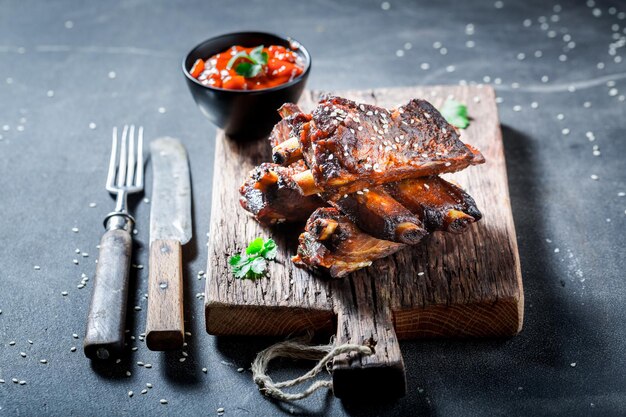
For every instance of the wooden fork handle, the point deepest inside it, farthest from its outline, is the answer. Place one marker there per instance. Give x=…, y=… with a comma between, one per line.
x=104, y=337
x=165, y=323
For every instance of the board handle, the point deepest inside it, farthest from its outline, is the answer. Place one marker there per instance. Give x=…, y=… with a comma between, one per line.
x=104, y=336
x=370, y=323
x=165, y=323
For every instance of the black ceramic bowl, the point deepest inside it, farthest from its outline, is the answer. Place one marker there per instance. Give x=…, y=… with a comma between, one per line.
x=244, y=114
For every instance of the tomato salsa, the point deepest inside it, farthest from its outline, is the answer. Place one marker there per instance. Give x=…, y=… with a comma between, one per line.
x=240, y=68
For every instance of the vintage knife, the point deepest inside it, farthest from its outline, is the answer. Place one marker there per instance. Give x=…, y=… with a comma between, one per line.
x=170, y=228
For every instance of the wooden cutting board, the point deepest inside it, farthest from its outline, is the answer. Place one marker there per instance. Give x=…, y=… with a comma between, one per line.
x=467, y=285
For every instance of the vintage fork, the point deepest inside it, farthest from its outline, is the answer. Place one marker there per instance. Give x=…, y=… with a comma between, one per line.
x=104, y=337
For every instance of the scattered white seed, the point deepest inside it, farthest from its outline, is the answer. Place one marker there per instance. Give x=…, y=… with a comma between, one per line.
x=557, y=250
x=130, y=393
x=498, y=4
x=163, y=401
x=44, y=361
x=63, y=293
x=148, y=365
x=149, y=385
x=594, y=177
x=240, y=369
x=50, y=93
x=220, y=410
x=204, y=370
x=112, y=74
x=399, y=53
x=182, y=359
x=22, y=382
x=137, y=308
x=23, y=354
x=573, y=364
x=161, y=110
x=69, y=24
x=37, y=267
x=425, y=66
x=92, y=125
x=144, y=391
x=128, y=373
x=73, y=349
x=565, y=131
x=75, y=229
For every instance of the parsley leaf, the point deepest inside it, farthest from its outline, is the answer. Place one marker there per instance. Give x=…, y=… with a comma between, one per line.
x=269, y=249
x=253, y=263
x=236, y=57
x=455, y=113
x=255, y=246
x=248, y=70
x=250, y=65
x=259, y=56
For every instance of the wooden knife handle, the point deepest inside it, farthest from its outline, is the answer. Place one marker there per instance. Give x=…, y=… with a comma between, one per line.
x=104, y=337
x=165, y=323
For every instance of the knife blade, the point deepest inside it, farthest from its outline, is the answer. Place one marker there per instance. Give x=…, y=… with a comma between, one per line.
x=170, y=228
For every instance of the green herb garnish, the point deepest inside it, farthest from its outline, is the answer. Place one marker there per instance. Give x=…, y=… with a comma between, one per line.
x=252, y=63
x=455, y=113
x=253, y=263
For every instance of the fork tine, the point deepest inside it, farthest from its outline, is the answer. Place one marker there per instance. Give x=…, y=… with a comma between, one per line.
x=121, y=172
x=139, y=181
x=130, y=172
x=112, y=161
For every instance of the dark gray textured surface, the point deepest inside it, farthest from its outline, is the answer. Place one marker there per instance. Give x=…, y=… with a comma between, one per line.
x=570, y=358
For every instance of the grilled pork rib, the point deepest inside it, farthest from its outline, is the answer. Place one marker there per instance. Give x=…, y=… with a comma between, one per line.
x=272, y=196
x=442, y=205
x=350, y=146
x=377, y=169
x=332, y=242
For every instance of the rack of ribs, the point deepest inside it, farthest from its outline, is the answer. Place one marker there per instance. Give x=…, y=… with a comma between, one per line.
x=376, y=168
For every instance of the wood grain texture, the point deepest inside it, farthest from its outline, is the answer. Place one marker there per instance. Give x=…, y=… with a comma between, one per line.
x=465, y=285
x=165, y=327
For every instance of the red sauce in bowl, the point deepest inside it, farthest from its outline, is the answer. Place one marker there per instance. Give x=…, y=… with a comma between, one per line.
x=278, y=65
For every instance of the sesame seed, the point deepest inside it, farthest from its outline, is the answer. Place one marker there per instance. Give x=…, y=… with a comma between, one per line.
x=73, y=349
x=161, y=110
x=220, y=410
x=163, y=401
x=22, y=382
x=144, y=391
x=69, y=24
x=137, y=308
x=50, y=93
x=385, y=5
x=557, y=250
x=130, y=393
x=565, y=131
x=37, y=267
x=43, y=361
x=1, y=381
x=23, y=354
x=148, y=365
x=573, y=364
x=204, y=370
x=149, y=385
x=74, y=335
x=240, y=369
x=75, y=229
x=15, y=380
x=594, y=177
x=128, y=373
x=182, y=359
